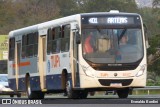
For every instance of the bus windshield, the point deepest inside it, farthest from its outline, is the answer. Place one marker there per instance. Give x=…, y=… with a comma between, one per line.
x=103, y=45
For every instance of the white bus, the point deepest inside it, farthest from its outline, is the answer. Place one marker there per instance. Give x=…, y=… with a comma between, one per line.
x=79, y=54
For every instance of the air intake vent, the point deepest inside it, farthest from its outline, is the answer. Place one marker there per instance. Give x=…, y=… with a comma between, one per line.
x=107, y=82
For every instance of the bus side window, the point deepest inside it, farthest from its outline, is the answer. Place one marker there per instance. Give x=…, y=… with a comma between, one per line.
x=24, y=41
x=65, y=38
x=30, y=45
x=36, y=43
x=56, y=32
x=11, y=48
x=49, y=41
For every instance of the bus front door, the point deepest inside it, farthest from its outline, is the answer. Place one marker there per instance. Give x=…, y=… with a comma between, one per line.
x=75, y=73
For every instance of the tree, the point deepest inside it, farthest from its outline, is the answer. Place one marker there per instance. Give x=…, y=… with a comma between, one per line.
x=156, y=3
x=67, y=7
x=36, y=11
x=150, y=18
x=106, y=5
x=22, y=13
x=153, y=68
x=156, y=10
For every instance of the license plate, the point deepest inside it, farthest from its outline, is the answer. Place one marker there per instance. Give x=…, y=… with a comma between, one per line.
x=116, y=84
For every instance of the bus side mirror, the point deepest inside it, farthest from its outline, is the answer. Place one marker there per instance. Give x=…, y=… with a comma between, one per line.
x=78, y=38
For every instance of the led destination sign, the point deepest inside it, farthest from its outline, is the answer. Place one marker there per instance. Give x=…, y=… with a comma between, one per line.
x=112, y=20
x=117, y=20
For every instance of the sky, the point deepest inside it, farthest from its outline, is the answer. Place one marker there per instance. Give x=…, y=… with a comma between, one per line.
x=144, y=3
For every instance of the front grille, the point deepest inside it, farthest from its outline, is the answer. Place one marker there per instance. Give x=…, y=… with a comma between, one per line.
x=107, y=82
x=114, y=66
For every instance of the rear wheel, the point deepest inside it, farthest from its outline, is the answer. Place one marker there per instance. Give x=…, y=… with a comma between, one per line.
x=11, y=96
x=18, y=95
x=123, y=93
x=33, y=94
x=40, y=95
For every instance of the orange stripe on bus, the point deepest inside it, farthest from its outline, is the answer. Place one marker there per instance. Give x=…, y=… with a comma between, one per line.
x=22, y=64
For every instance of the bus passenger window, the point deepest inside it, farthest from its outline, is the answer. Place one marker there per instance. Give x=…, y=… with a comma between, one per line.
x=11, y=48
x=53, y=40
x=36, y=44
x=24, y=42
x=57, y=42
x=49, y=41
x=29, y=45
x=65, y=38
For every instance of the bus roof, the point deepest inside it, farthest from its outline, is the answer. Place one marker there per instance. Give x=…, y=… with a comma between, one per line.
x=44, y=25
x=59, y=21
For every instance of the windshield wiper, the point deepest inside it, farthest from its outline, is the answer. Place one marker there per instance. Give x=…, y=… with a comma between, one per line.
x=122, y=34
x=98, y=29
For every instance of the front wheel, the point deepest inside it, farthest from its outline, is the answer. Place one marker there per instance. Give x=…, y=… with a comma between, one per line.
x=70, y=92
x=78, y=94
x=123, y=93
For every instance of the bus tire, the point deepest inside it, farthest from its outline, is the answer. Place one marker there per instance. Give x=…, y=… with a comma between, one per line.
x=70, y=92
x=30, y=93
x=18, y=95
x=11, y=95
x=39, y=94
x=123, y=93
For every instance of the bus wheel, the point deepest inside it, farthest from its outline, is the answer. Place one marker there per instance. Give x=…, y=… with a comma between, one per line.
x=123, y=93
x=70, y=92
x=40, y=95
x=33, y=94
x=11, y=96
x=92, y=93
x=30, y=94
x=18, y=95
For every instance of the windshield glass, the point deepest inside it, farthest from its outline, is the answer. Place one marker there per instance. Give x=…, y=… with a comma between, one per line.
x=101, y=45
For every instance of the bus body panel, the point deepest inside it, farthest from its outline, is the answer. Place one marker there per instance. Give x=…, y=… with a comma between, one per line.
x=48, y=74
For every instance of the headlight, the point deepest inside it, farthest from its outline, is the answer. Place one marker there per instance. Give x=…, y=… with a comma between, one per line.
x=141, y=71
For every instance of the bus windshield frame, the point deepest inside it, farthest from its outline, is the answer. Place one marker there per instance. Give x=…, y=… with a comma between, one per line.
x=111, y=36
